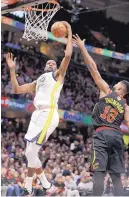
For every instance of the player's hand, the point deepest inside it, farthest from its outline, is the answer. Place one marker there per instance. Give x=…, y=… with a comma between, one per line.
x=67, y=25
x=10, y=60
x=77, y=40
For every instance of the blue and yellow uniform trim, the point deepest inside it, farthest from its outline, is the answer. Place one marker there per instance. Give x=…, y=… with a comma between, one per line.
x=50, y=115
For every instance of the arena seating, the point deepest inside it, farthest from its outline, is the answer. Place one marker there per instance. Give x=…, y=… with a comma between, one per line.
x=96, y=21
x=79, y=92
x=66, y=155
x=65, y=158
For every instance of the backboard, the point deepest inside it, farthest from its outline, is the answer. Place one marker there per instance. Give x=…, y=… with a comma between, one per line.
x=7, y=6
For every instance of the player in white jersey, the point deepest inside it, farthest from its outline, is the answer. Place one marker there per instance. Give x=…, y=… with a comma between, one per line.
x=45, y=118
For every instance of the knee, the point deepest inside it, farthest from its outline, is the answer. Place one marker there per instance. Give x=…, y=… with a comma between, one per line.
x=16, y=186
x=98, y=178
x=10, y=188
x=115, y=177
x=32, y=158
x=30, y=153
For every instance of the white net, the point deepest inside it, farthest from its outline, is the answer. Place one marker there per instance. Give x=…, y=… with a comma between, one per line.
x=37, y=20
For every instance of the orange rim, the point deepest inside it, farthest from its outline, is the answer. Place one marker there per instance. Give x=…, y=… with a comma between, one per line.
x=43, y=10
x=9, y=2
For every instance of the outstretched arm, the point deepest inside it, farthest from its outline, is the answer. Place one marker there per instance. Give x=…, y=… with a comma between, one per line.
x=60, y=73
x=102, y=85
x=126, y=116
x=26, y=88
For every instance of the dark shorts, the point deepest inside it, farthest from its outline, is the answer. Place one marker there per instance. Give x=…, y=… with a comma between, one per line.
x=108, y=151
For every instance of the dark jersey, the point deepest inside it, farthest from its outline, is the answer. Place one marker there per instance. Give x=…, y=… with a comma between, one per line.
x=109, y=111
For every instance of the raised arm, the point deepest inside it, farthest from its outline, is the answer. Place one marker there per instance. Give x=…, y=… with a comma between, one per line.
x=102, y=85
x=60, y=73
x=26, y=88
x=126, y=116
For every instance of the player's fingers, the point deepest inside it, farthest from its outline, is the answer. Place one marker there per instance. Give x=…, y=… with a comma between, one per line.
x=64, y=22
x=77, y=36
x=11, y=56
x=15, y=59
x=7, y=56
x=84, y=40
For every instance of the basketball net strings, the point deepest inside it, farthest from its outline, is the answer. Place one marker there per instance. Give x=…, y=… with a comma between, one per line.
x=36, y=22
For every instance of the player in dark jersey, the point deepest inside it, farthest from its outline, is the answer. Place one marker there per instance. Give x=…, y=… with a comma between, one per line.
x=108, y=114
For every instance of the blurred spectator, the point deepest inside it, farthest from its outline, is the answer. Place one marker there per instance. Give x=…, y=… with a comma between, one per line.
x=4, y=182
x=66, y=156
x=70, y=185
x=86, y=185
x=79, y=91
x=67, y=169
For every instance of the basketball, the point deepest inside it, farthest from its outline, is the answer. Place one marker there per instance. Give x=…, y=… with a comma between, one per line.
x=59, y=30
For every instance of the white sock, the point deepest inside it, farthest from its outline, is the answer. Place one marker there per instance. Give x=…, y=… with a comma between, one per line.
x=28, y=183
x=45, y=183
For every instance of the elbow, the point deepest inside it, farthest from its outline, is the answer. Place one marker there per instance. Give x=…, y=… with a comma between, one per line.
x=16, y=90
x=67, y=56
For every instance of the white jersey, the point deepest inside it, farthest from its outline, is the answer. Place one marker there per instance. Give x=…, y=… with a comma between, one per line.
x=47, y=91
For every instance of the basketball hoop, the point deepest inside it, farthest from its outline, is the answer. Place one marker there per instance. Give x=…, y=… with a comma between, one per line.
x=37, y=20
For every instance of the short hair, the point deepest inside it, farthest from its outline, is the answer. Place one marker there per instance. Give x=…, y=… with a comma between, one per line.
x=66, y=173
x=126, y=83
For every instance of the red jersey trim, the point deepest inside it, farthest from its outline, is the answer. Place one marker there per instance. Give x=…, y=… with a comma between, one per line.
x=105, y=128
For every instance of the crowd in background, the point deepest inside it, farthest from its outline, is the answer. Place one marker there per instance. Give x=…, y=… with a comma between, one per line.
x=65, y=158
x=67, y=154
x=82, y=24
x=79, y=91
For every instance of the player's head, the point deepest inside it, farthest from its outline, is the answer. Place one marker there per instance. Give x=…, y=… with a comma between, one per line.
x=122, y=88
x=51, y=66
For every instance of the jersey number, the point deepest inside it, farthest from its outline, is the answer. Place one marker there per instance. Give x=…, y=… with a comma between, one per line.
x=109, y=114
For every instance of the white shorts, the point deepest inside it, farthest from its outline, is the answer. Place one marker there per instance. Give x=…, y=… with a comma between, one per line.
x=42, y=125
